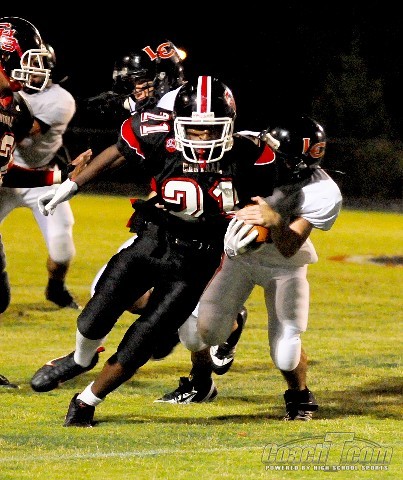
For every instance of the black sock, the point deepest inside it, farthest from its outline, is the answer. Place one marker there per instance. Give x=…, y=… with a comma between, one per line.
x=233, y=339
x=201, y=375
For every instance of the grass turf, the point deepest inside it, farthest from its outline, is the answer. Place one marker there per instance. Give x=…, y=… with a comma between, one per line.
x=353, y=341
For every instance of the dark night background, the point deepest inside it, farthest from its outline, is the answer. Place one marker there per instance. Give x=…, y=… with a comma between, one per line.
x=275, y=57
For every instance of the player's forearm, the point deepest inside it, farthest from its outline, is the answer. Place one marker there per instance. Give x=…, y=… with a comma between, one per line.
x=289, y=238
x=108, y=159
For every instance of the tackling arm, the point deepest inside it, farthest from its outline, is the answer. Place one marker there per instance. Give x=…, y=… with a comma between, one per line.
x=288, y=238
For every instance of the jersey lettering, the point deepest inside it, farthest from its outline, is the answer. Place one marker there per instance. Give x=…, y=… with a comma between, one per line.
x=224, y=193
x=163, y=127
x=6, y=148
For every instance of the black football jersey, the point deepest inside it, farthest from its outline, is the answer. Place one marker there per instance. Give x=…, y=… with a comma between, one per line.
x=203, y=195
x=16, y=120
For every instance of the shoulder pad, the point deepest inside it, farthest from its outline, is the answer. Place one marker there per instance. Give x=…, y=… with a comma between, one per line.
x=248, y=134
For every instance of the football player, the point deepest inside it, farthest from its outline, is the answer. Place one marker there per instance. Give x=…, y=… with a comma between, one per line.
x=305, y=197
x=137, y=81
x=22, y=62
x=53, y=108
x=200, y=171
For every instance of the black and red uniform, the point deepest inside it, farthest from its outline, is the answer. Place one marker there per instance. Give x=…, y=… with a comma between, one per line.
x=178, y=247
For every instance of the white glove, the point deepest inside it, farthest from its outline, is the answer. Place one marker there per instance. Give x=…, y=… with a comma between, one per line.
x=236, y=238
x=48, y=202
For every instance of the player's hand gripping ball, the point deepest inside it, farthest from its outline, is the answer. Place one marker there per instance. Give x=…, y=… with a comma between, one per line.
x=263, y=233
x=241, y=237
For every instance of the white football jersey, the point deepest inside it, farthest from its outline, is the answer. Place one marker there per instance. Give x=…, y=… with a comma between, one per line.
x=318, y=200
x=54, y=106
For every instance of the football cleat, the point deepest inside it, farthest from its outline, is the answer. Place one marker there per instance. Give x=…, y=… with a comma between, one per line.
x=5, y=383
x=299, y=405
x=59, y=370
x=79, y=414
x=61, y=297
x=222, y=356
x=187, y=393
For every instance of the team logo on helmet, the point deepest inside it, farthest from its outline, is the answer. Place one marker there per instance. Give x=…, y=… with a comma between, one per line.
x=7, y=40
x=229, y=98
x=164, y=50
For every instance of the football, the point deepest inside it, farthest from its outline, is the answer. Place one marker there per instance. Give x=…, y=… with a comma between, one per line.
x=263, y=233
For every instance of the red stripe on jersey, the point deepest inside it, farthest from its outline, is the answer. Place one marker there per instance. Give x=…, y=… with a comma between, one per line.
x=129, y=137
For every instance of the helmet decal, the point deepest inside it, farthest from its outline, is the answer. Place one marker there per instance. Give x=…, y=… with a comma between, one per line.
x=7, y=40
x=203, y=94
x=164, y=50
x=318, y=150
x=229, y=98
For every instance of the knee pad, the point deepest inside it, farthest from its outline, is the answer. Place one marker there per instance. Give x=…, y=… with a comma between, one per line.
x=61, y=248
x=189, y=336
x=285, y=350
x=217, y=333
x=5, y=293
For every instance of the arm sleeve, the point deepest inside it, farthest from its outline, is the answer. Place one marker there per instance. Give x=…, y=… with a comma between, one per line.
x=25, y=178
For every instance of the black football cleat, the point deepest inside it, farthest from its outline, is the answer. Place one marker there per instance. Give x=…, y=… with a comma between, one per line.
x=5, y=383
x=59, y=370
x=187, y=392
x=60, y=296
x=79, y=414
x=299, y=405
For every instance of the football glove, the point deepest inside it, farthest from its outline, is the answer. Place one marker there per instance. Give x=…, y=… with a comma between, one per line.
x=237, y=238
x=48, y=202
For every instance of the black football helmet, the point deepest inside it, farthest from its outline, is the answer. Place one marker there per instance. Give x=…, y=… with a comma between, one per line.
x=207, y=105
x=22, y=53
x=299, y=144
x=163, y=67
x=50, y=60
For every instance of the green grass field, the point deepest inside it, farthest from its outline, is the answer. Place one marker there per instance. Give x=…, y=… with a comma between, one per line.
x=354, y=343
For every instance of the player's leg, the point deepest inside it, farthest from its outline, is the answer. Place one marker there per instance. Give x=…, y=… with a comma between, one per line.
x=114, y=293
x=287, y=301
x=9, y=200
x=168, y=303
x=57, y=230
x=5, y=294
x=199, y=386
x=4, y=303
x=223, y=355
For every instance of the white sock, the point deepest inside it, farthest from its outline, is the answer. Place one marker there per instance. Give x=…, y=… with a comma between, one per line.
x=85, y=349
x=88, y=397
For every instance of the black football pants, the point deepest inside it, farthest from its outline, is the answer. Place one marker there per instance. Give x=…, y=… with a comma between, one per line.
x=179, y=275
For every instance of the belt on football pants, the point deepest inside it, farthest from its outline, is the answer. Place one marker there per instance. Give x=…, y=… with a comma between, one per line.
x=195, y=245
